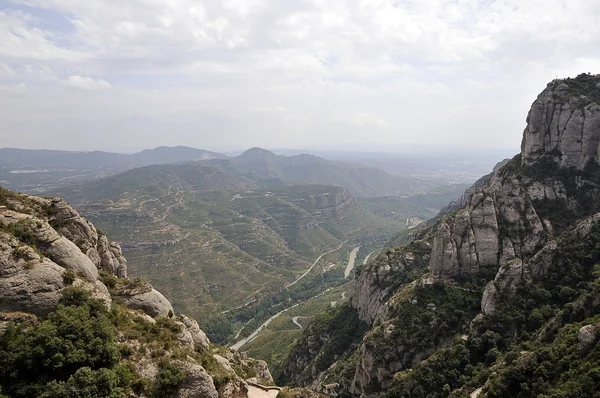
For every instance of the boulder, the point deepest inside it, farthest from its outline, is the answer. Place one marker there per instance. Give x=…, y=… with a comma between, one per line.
x=151, y=302
x=198, y=336
x=588, y=336
x=198, y=383
x=28, y=282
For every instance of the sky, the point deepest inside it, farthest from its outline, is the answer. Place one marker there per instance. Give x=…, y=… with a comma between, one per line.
x=228, y=74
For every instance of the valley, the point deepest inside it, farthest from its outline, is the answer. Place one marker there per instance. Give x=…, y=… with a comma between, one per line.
x=299, y=199
x=233, y=241
x=245, y=243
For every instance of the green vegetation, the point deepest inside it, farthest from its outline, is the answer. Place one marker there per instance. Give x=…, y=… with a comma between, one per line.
x=169, y=379
x=275, y=342
x=22, y=230
x=207, y=240
x=74, y=352
x=332, y=333
x=583, y=85
x=529, y=346
x=254, y=315
x=78, y=337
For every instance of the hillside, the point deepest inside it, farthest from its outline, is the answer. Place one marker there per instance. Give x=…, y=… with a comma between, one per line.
x=214, y=242
x=499, y=297
x=41, y=170
x=271, y=170
x=72, y=324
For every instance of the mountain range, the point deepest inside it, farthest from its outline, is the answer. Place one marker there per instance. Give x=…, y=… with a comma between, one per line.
x=39, y=170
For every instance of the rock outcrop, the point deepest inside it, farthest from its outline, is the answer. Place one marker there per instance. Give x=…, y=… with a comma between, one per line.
x=46, y=248
x=376, y=281
x=564, y=121
x=507, y=224
x=152, y=302
x=198, y=382
x=198, y=336
x=28, y=282
x=588, y=336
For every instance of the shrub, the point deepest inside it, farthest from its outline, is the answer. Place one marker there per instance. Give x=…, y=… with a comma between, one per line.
x=77, y=335
x=169, y=379
x=69, y=277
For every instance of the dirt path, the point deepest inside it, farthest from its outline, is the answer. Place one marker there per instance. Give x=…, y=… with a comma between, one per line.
x=256, y=391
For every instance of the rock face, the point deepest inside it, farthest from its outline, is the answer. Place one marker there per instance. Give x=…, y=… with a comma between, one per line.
x=563, y=122
x=198, y=336
x=376, y=281
x=504, y=223
x=28, y=282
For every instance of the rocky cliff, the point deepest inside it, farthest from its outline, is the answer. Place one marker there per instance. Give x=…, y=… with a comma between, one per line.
x=102, y=333
x=473, y=303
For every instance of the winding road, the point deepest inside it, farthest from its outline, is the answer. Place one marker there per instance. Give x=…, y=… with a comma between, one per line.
x=313, y=265
x=239, y=344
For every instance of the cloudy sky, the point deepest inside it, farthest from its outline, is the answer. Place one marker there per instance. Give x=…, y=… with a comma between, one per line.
x=224, y=74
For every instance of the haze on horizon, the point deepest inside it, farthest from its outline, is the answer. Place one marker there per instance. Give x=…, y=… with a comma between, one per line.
x=229, y=74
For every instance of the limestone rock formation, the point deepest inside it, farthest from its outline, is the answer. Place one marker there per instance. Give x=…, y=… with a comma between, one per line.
x=376, y=281
x=46, y=247
x=152, y=302
x=564, y=123
x=28, y=282
x=198, y=336
x=198, y=382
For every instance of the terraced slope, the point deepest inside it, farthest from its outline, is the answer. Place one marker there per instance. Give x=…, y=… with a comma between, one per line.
x=212, y=241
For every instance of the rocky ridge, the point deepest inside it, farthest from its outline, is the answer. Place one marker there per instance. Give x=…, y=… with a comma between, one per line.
x=513, y=233
x=49, y=252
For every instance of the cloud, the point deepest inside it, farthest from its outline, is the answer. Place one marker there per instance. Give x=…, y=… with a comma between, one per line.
x=86, y=83
x=275, y=73
x=363, y=119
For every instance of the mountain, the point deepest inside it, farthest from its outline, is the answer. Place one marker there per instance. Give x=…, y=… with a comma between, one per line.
x=219, y=245
x=40, y=170
x=499, y=297
x=72, y=324
x=159, y=179
x=271, y=170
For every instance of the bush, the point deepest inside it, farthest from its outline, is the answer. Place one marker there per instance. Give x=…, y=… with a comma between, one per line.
x=169, y=379
x=54, y=350
x=69, y=277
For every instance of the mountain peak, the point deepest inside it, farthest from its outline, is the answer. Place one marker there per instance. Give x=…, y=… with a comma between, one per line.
x=257, y=153
x=564, y=122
